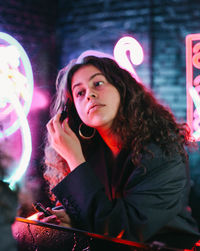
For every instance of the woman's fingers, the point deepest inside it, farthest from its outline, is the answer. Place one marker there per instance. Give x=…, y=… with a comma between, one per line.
x=62, y=216
x=56, y=122
x=67, y=128
x=54, y=126
x=65, y=142
x=58, y=217
x=40, y=216
x=50, y=127
x=50, y=219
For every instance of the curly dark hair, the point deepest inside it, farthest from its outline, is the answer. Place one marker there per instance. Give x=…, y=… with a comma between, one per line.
x=140, y=120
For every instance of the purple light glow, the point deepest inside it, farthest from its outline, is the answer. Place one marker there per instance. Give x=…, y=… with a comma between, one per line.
x=40, y=99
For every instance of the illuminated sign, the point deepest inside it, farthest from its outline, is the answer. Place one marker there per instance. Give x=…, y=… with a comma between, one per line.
x=193, y=83
x=129, y=52
x=16, y=91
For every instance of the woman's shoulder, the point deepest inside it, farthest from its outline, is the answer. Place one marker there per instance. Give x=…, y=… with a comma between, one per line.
x=158, y=169
x=155, y=156
x=161, y=150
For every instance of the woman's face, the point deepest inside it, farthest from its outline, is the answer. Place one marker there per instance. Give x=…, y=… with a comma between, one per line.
x=96, y=100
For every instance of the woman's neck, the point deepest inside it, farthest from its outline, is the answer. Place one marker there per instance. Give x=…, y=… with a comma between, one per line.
x=111, y=140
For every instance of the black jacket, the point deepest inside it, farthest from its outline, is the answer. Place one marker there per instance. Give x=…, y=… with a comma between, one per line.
x=146, y=203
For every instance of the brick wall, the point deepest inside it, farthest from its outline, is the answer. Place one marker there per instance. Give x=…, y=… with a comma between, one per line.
x=160, y=27
x=98, y=25
x=172, y=21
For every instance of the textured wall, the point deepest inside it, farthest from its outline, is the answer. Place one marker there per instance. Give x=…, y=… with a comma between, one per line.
x=98, y=25
x=160, y=27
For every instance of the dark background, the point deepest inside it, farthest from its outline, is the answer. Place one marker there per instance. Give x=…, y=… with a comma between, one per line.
x=53, y=32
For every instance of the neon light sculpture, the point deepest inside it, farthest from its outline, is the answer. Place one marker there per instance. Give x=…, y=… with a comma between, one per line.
x=15, y=63
x=129, y=52
x=16, y=90
x=193, y=83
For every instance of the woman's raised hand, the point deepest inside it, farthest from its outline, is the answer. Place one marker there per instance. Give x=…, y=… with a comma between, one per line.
x=65, y=142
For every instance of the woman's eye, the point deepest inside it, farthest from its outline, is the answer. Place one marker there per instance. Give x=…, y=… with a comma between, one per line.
x=98, y=83
x=79, y=93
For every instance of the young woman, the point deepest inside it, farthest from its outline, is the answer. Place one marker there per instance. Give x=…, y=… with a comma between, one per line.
x=123, y=156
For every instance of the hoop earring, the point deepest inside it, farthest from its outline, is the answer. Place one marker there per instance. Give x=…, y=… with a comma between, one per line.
x=83, y=136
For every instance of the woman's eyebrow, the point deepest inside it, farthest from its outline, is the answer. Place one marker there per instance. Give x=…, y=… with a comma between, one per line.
x=75, y=85
x=96, y=74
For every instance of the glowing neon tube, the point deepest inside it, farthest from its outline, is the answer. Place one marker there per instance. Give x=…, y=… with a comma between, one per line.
x=11, y=42
x=8, y=94
x=27, y=145
x=196, y=99
x=129, y=45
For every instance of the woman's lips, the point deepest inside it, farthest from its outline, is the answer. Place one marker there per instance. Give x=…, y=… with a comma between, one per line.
x=94, y=107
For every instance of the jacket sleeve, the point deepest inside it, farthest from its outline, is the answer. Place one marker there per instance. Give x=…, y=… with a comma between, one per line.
x=152, y=197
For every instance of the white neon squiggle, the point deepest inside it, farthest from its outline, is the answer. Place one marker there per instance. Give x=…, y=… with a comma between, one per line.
x=26, y=135
x=196, y=99
x=131, y=45
x=196, y=134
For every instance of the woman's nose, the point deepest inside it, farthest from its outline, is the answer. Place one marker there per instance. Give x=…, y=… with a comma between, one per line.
x=91, y=95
